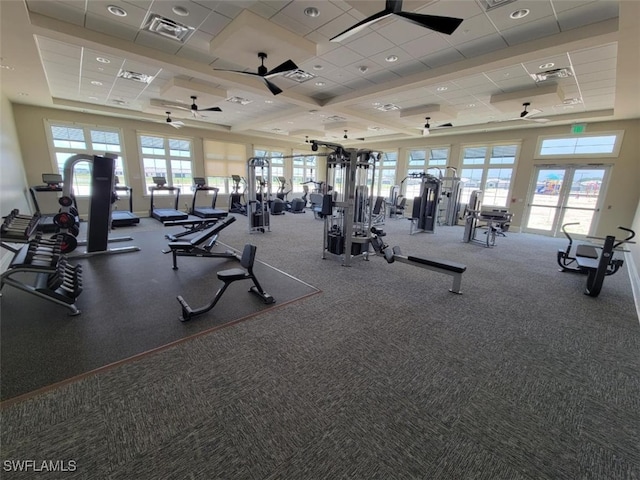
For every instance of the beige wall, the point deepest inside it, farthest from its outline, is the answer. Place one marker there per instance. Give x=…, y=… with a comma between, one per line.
x=620, y=202
x=13, y=186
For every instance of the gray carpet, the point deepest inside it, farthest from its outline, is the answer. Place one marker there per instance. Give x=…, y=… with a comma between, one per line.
x=385, y=375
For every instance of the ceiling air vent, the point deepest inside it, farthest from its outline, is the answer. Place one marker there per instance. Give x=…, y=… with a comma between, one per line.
x=387, y=107
x=550, y=74
x=491, y=4
x=299, y=76
x=168, y=28
x=239, y=100
x=336, y=118
x=135, y=76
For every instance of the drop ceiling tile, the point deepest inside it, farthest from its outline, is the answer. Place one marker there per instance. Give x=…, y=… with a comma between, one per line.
x=409, y=69
x=291, y=24
x=105, y=25
x=425, y=45
x=508, y=73
x=214, y=23
x=538, y=10
x=338, y=25
x=399, y=31
x=509, y=85
x=369, y=44
x=267, y=9
x=594, y=67
x=587, y=14
x=59, y=48
x=471, y=29
x=134, y=18
x=343, y=56
x=480, y=46
x=478, y=80
x=451, y=8
x=196, y=13
x=295, y=11
x=229, y=9
x=380, y=77
x=558, y=61
x=602, y=76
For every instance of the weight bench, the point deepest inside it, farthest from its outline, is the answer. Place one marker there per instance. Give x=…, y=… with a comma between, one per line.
x=228, y=277
x=453, y=269
x=200, y=245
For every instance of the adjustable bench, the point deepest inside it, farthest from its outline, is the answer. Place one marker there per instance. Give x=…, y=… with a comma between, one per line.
x=200, y=245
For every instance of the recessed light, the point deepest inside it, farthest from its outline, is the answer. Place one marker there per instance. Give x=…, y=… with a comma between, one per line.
x=23, y=94
x=471, y=105
x=391, y=58
x=442, y=89
x=102, y=60
x=320, y=84
x=96, y=83
x=544, y=66
x=518, y=14
x=93, y=98
x=318, y=67
x=268, y=101
x=7, y=67
x=117, y=11
x=312, y=12
x=179, y=10
x=363, y=69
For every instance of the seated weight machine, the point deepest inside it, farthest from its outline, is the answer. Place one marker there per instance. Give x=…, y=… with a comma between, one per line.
x=258, y=193
x=496, y=222
x=597, y=262
x=424, y=213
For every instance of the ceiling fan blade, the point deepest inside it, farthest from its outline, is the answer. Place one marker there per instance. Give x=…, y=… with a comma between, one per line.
x=446, y=25
x=538, y=120
x=287, y=66
x=272, y=87
x=210, y=109
x=445, y=125
x=240, y=72
x=358, y=27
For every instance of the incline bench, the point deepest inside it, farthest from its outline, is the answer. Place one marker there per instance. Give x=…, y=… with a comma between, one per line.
x=441, y=266
x=201, y=244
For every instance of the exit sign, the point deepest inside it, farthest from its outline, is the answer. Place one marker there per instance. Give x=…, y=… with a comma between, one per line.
x=578, y=128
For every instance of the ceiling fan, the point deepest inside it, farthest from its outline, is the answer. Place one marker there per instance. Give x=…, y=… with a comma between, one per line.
x=265, y=74
x=194, y=109
x=427, y=126
x=170, y=121
x=446, y=25
x=527, y=115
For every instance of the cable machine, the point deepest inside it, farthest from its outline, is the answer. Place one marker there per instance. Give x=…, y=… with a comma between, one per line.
x=424, y=213
x=259, y=191
x=449, y=210
x=347, y=226
x=99, y=223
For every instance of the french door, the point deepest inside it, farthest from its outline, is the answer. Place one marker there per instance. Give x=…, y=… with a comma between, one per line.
x=565, y=194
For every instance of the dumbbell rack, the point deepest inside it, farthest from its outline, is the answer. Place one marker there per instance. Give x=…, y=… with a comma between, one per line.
x=38, y=267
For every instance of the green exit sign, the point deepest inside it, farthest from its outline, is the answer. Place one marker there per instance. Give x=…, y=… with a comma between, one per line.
x=578, y=128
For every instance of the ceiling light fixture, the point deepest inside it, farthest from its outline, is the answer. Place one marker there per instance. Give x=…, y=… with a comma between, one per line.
x=96, y=83
x=518, y=14
x=345, y=135
x=442, y=89
x=117, y=11
x=318, y=67
x=168, y=28
x=7, y=67
x=425, y=130
x=312, y=12
x=135, y=76
x=544, y=66
x=180, y=10
x=102, y=60
x=363, y=69
x=320, y=84
x=391, y=58
x=299, y=76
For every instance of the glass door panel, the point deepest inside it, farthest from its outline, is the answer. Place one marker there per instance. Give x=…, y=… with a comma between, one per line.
x=545, y=199
x=565, y=195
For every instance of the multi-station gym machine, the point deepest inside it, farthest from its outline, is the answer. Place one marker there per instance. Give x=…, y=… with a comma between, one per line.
x=347, y=225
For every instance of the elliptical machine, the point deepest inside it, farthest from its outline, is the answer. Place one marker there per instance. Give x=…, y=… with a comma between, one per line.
x=236, y=203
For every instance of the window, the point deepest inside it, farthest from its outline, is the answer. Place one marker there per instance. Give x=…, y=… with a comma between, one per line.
x=69, y=140
x=221, y=160
x=419, y=162
x=276, y=163
x=489, y=169
x=583, y=145
x=305, y=169
x=170, y=158
x=386, y=174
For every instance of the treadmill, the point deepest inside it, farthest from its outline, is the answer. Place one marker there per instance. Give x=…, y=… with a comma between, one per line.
x=204, y=211
x=52, y=184
x=165, y=214
x=124, y=218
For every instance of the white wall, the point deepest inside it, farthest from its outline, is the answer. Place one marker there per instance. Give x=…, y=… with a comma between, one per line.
x=13, y=181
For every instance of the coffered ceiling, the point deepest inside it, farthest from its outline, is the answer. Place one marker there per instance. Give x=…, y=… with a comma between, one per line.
x=380, y=84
